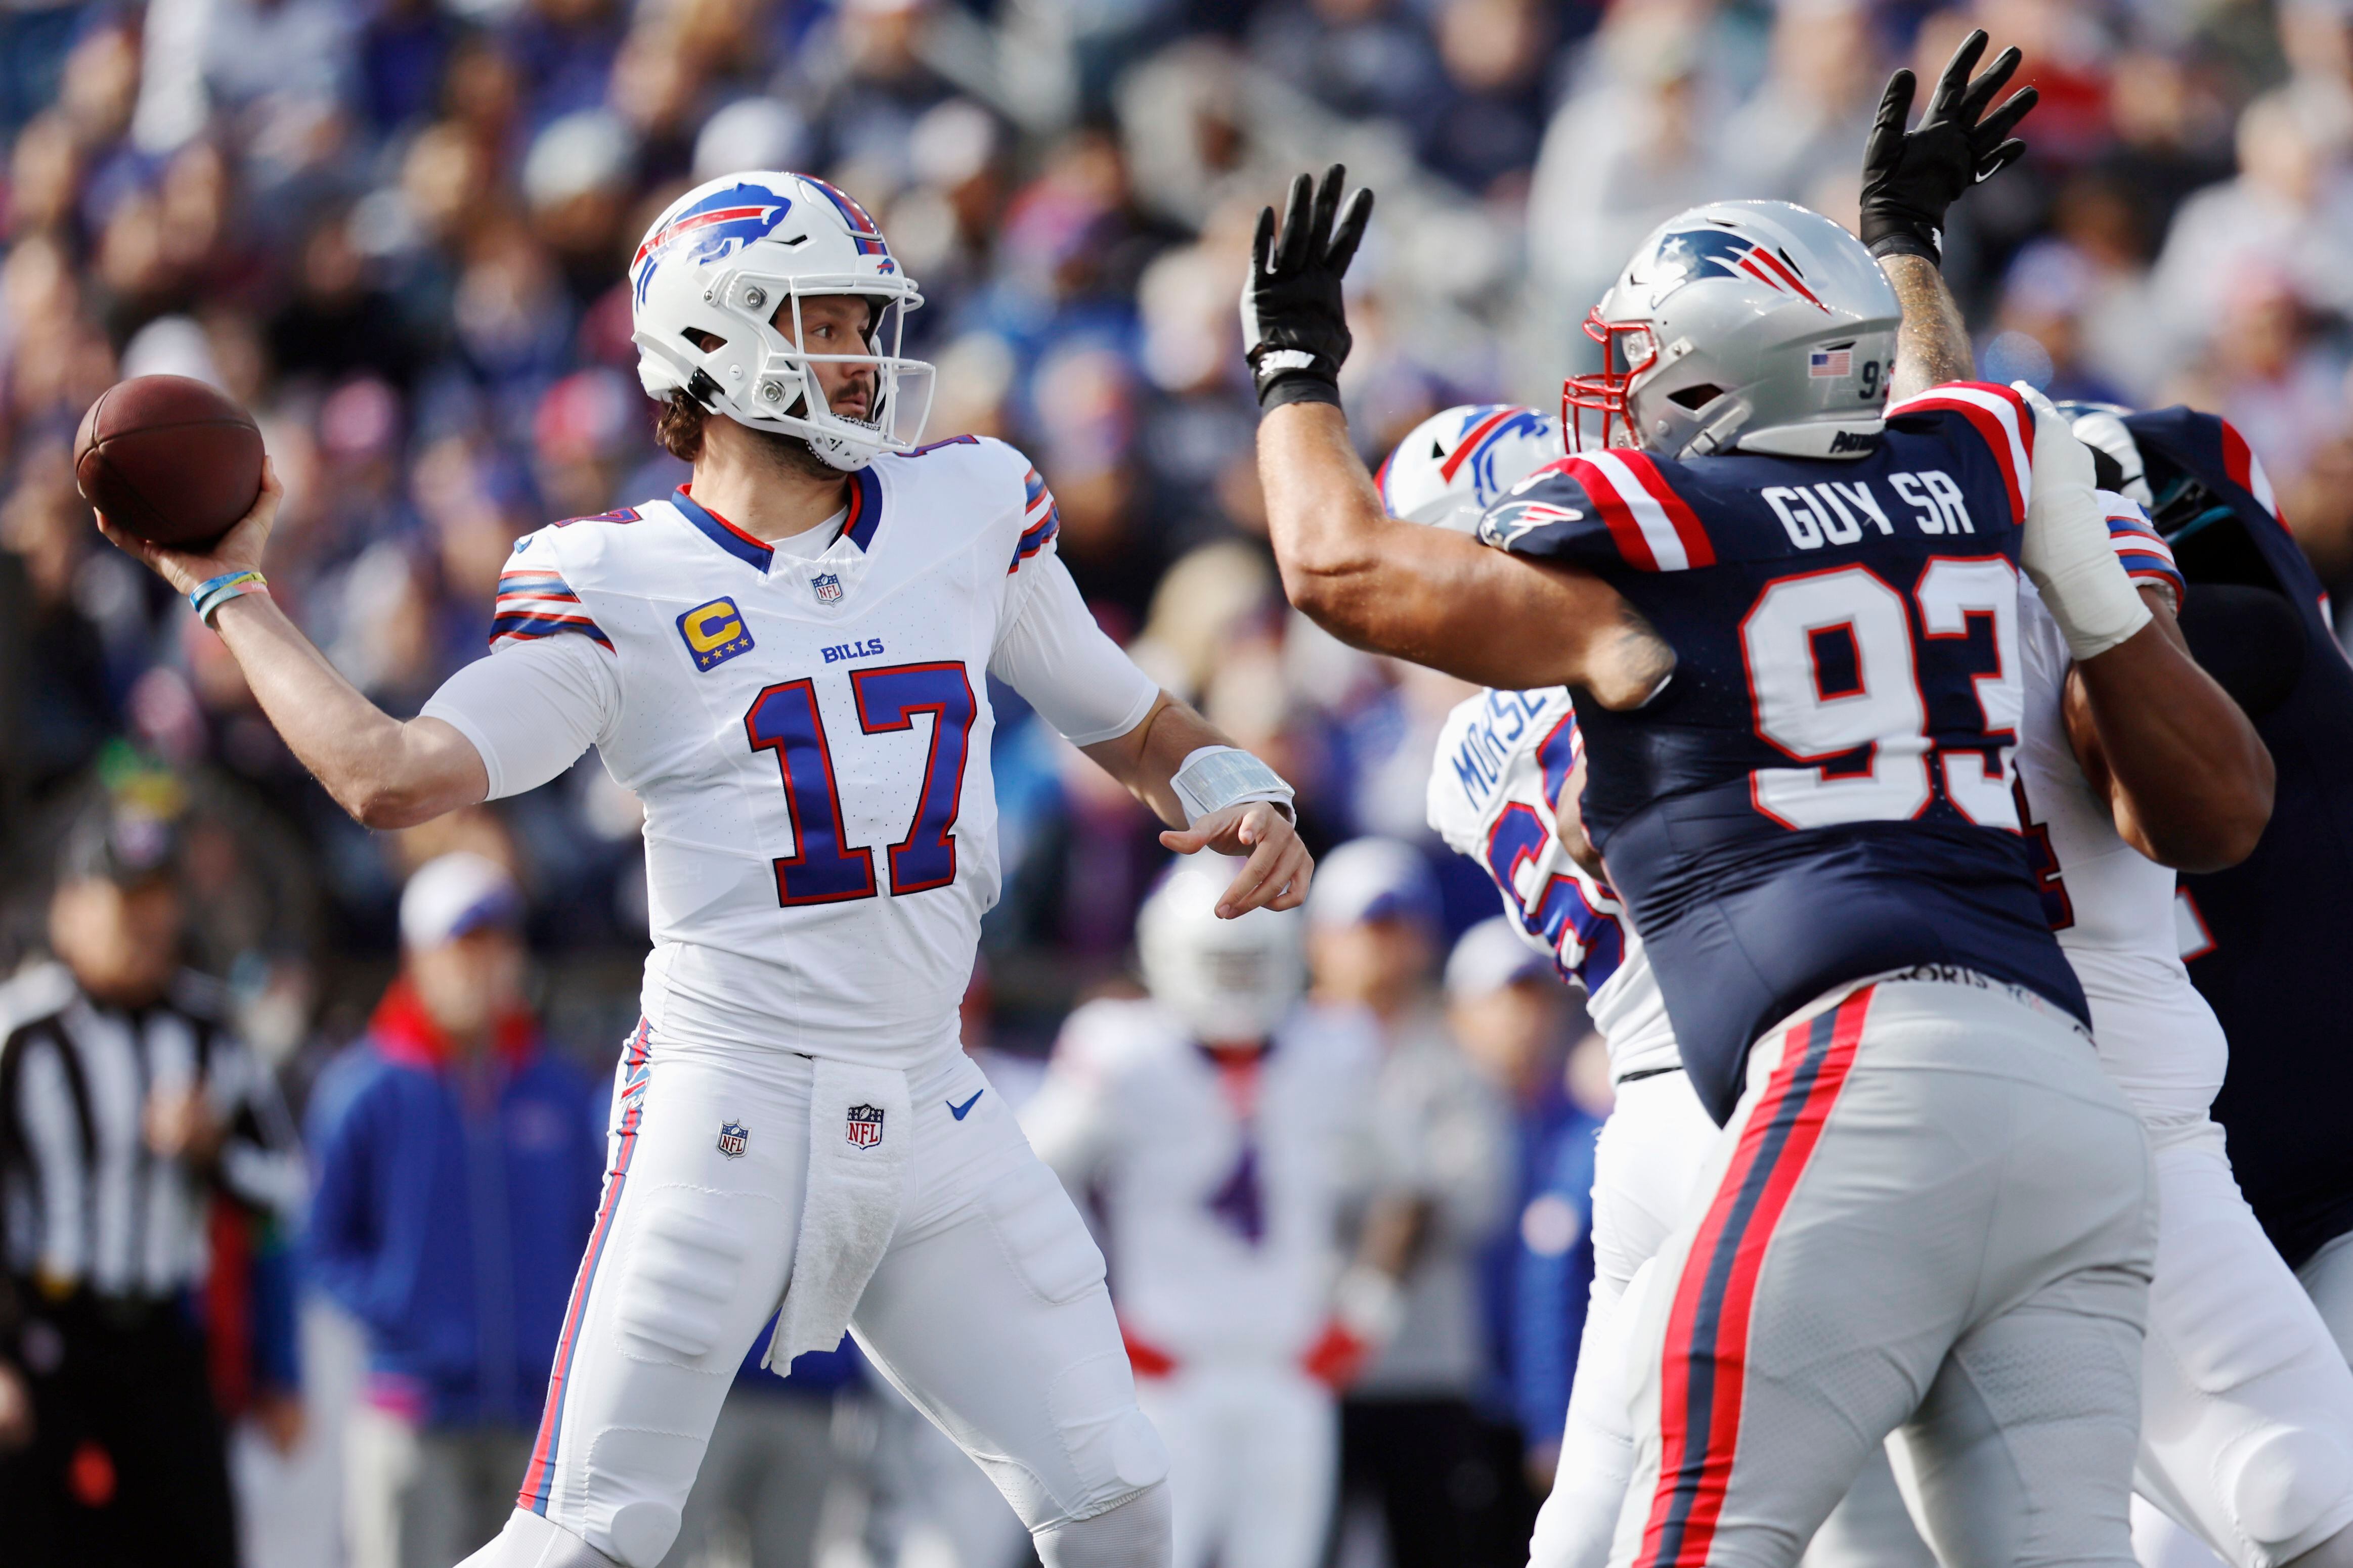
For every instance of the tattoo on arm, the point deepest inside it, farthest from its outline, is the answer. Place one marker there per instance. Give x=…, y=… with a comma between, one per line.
x=1932, y=345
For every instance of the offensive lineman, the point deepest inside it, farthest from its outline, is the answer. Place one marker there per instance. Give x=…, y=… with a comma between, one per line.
x=785, y=661
x=1928, y=1190
x=1227, y=1127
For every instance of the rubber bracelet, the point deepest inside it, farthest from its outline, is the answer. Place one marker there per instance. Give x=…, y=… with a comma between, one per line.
x=207, y=597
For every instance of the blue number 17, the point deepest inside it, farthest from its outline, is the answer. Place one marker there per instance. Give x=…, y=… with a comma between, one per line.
x=823, y=869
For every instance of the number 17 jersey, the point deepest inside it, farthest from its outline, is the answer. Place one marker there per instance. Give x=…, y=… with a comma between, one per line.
x=809, y=734
x=1821, y=792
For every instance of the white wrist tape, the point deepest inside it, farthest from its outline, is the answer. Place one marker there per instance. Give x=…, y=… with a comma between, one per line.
x=1367, y=1303
x=2066, y=548
x=1215, y=777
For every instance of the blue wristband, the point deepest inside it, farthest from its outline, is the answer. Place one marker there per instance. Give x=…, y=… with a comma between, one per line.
x=208, y=596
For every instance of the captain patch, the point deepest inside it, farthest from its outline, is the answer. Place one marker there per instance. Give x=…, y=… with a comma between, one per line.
x=714, y=633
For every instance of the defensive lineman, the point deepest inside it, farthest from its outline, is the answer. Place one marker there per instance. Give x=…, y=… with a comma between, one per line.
x=785, y=661
x=1225, y=1126
x=1926, y=1187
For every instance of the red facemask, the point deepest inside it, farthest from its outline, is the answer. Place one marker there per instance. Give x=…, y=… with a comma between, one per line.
x=1628, y=349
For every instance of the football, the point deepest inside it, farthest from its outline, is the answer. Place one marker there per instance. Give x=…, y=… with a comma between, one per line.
x=169, y=458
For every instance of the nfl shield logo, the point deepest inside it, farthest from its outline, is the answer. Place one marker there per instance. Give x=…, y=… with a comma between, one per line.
x=733, y=1136
x=865, y=1125
x=828, y=588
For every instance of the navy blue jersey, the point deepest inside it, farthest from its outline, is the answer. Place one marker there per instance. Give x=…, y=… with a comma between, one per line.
x=2272, y=933
x=1822, y=791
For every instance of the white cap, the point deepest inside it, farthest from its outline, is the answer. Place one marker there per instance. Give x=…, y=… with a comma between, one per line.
x=453, y=895
x=1489, y=956
x=1371, y=880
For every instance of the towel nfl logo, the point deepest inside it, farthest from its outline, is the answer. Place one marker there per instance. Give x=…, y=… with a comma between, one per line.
x=828, y=588
x=1827, y=365
x=865, y=1126
x=733, y=1137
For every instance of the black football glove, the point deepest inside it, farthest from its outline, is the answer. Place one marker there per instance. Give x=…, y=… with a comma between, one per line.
x=1909, y=179
x=1294, y=327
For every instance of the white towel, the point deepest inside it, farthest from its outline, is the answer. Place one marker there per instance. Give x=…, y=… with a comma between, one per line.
x=861, y=1124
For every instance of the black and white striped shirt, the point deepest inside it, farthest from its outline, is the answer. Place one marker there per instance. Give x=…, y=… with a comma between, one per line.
x=83, y=1200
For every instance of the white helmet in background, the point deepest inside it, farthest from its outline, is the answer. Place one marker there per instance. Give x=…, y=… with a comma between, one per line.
x=1452, y=466
x=1224, y=980
x=1749, y=326
x=736, y=255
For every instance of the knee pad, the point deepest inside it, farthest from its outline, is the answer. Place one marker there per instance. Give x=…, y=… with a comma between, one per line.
x=2288, y=1490
x=1133, y=1533
x=530, y=1540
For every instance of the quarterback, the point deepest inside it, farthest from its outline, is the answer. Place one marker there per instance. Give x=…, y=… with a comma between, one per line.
x=785, y=661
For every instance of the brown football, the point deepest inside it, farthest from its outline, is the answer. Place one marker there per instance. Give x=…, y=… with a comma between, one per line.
x=168, y=458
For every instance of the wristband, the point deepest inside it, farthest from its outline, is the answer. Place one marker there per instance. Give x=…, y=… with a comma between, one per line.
x=206, y=597
x=1215, y=777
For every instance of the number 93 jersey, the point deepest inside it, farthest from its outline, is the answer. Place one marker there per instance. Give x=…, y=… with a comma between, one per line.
x=809, y=733
x=1821, y=790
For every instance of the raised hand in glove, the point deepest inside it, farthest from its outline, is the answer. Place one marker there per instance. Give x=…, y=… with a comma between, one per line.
x=1909, y=178
x=1294, y=327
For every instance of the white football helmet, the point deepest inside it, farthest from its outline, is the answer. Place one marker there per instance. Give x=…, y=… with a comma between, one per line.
x=1452, y=466
x=1225, y=980
x=734, y=256
x=1754, y=326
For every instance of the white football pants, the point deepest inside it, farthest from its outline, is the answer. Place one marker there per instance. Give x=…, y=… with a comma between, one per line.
x=2247, y=1402
x=1253, y=1451
x=988, y=1311
x=1931, y=1211
x=1647, y=1167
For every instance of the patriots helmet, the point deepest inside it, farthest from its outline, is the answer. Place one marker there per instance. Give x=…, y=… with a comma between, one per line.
x=715, y=293
x=1747, y=326
x=1224, y=980
x=1454, y=465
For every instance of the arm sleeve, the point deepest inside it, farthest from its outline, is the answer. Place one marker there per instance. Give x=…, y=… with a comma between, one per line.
x=1053, y=653
x=532, y=708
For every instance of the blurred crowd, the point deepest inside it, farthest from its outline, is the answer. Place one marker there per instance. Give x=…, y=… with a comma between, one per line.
x=396, y=230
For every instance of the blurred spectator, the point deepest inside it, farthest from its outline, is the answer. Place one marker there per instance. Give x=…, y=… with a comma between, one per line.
x=1509, y=1009
x=1411, y=1445
x=130, y=1306
x=457, y=1170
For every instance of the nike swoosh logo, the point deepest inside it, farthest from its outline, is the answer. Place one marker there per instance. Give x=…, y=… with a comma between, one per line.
x=957, y=1110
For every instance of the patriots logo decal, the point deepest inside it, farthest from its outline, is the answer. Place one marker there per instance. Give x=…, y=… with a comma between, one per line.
x=719, y=225
x=1696, y=255
x=1512, y=518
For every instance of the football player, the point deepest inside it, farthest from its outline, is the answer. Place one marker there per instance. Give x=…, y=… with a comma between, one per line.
x=1504, y=790
x=1225, y=1126
x=1795, y=609
x=785, y=661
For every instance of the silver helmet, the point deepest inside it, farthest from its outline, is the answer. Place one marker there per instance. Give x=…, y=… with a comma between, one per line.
x=1224, y=980
x=1749, y=326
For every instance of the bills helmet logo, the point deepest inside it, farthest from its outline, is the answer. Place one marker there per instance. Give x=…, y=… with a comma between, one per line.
x=720, y=225
x=1696, y=255
x=828, y=587
x=732, y=1138
x=864, y=1127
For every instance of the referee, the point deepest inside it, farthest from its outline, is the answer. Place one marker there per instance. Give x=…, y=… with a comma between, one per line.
x=127, y=1112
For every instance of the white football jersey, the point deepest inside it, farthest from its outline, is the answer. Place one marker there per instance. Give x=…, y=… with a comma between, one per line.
x=1223, y=1186
x=809, y=734
x=2111, y=906
x=1501, y=759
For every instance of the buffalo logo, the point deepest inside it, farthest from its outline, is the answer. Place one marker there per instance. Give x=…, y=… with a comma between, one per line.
x=864, y=1128
x=720, y=225
x=827, y=586
x=714, y=633
x=732, y=1138
x=1695, y=255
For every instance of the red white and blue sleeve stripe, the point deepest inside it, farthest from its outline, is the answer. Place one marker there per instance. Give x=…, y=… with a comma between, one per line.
x=1039, y=522
x=2003, y=417
x=2145, y=555
x=535, y=602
